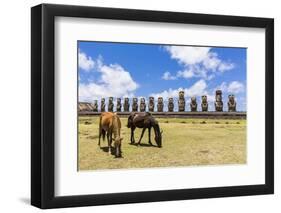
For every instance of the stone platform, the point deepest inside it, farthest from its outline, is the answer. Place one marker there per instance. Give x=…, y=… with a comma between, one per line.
x=204, y=115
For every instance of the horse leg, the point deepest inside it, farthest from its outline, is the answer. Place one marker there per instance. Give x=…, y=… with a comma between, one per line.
x=132, y=135
x=109, y=142
x=143, y=130
x=149, y=134
x=99, y=137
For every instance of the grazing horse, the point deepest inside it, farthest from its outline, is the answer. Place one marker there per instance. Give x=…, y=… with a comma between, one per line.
x=145, y=121
x=110, y=123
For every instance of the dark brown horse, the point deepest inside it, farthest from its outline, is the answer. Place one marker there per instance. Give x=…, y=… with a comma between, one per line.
x=110, y=123
x=145, y=121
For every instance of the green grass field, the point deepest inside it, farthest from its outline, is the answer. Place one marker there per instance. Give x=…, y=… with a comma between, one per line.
x=186, y=142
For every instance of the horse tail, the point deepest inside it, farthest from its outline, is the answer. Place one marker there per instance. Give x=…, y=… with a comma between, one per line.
x=101, y=130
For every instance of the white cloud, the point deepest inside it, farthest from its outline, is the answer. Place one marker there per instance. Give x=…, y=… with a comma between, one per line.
x=85, y=62
x=197, y=89
x=170, y=93
x=188, y=55
x=199, y=62
x=223, y=87
x=168, y=76
x=225, y=66
x=114, y=81
x=235, y=87
x=185, y=74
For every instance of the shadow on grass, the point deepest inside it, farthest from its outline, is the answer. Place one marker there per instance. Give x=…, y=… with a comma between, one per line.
x=105, y=149
x=143, y=144
x=92, y=137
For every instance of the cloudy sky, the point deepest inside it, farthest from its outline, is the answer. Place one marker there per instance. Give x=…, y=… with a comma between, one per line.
x=143, y=70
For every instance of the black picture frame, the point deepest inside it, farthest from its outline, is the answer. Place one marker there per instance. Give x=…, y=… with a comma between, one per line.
x=43, y=105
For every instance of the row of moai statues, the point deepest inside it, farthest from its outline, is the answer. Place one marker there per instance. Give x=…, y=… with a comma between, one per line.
x=160, y=104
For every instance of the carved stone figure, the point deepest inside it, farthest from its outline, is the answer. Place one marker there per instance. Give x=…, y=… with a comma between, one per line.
x=204, y=103
x=160, y=105
x=181, y=101
x=119, y=105
x=95, y=106
x=142, y=105
x=151, y=104
x=193, y=104
x=171, y=105
x=102, y=105
x=135, y=105
x=126, y=105
x=231, y=103
x=110, y=104
x=219, y=103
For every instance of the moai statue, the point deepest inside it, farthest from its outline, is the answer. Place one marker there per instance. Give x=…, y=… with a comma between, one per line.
x=160, y=105
x=118, y=107
x=95, y=106
x=110, y=104
x=142, y=105
x=171, y=105
x=102, y=105
x=181, y=101
x=231, y=103
x=151, y=104
x=204, y=103
x=126, y=105
x=193, y=104
x=219, y=103
x=135, y=105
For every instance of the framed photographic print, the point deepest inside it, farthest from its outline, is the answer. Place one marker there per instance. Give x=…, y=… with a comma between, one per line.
x=140, y=106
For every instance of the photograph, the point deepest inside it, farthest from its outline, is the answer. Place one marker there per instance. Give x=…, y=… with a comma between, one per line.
x=145, y=105
x=139, y=105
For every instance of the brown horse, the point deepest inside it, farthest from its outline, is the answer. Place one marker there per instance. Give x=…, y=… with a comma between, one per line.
x=110, y=123
x=145, y=121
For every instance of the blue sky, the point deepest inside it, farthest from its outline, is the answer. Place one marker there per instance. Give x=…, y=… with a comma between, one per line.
x=143, y=70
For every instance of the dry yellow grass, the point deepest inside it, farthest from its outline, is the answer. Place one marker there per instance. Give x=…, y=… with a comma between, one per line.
x=186, y=142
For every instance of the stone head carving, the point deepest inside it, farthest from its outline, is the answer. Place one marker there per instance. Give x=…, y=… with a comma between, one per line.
x=151, y=104
x=231, y=103
x=142, y=105
x=102, y=105
x=135, y=105
x=118, y=107
x=110, y=104
x=193, y=104
x=218, y=95
x=204, y=103
x=181, y=101
x=181, y=95
x=160, y=104
x=126, y=105
x=171, y=105
x=219, y=103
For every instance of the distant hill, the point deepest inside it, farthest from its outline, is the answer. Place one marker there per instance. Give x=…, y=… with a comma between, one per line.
x=85, y=106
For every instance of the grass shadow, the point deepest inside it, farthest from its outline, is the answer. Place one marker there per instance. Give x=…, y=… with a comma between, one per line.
x=143, y=144
x=113, y=150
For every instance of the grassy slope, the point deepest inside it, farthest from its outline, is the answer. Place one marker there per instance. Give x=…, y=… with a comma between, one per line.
x=185, y=142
